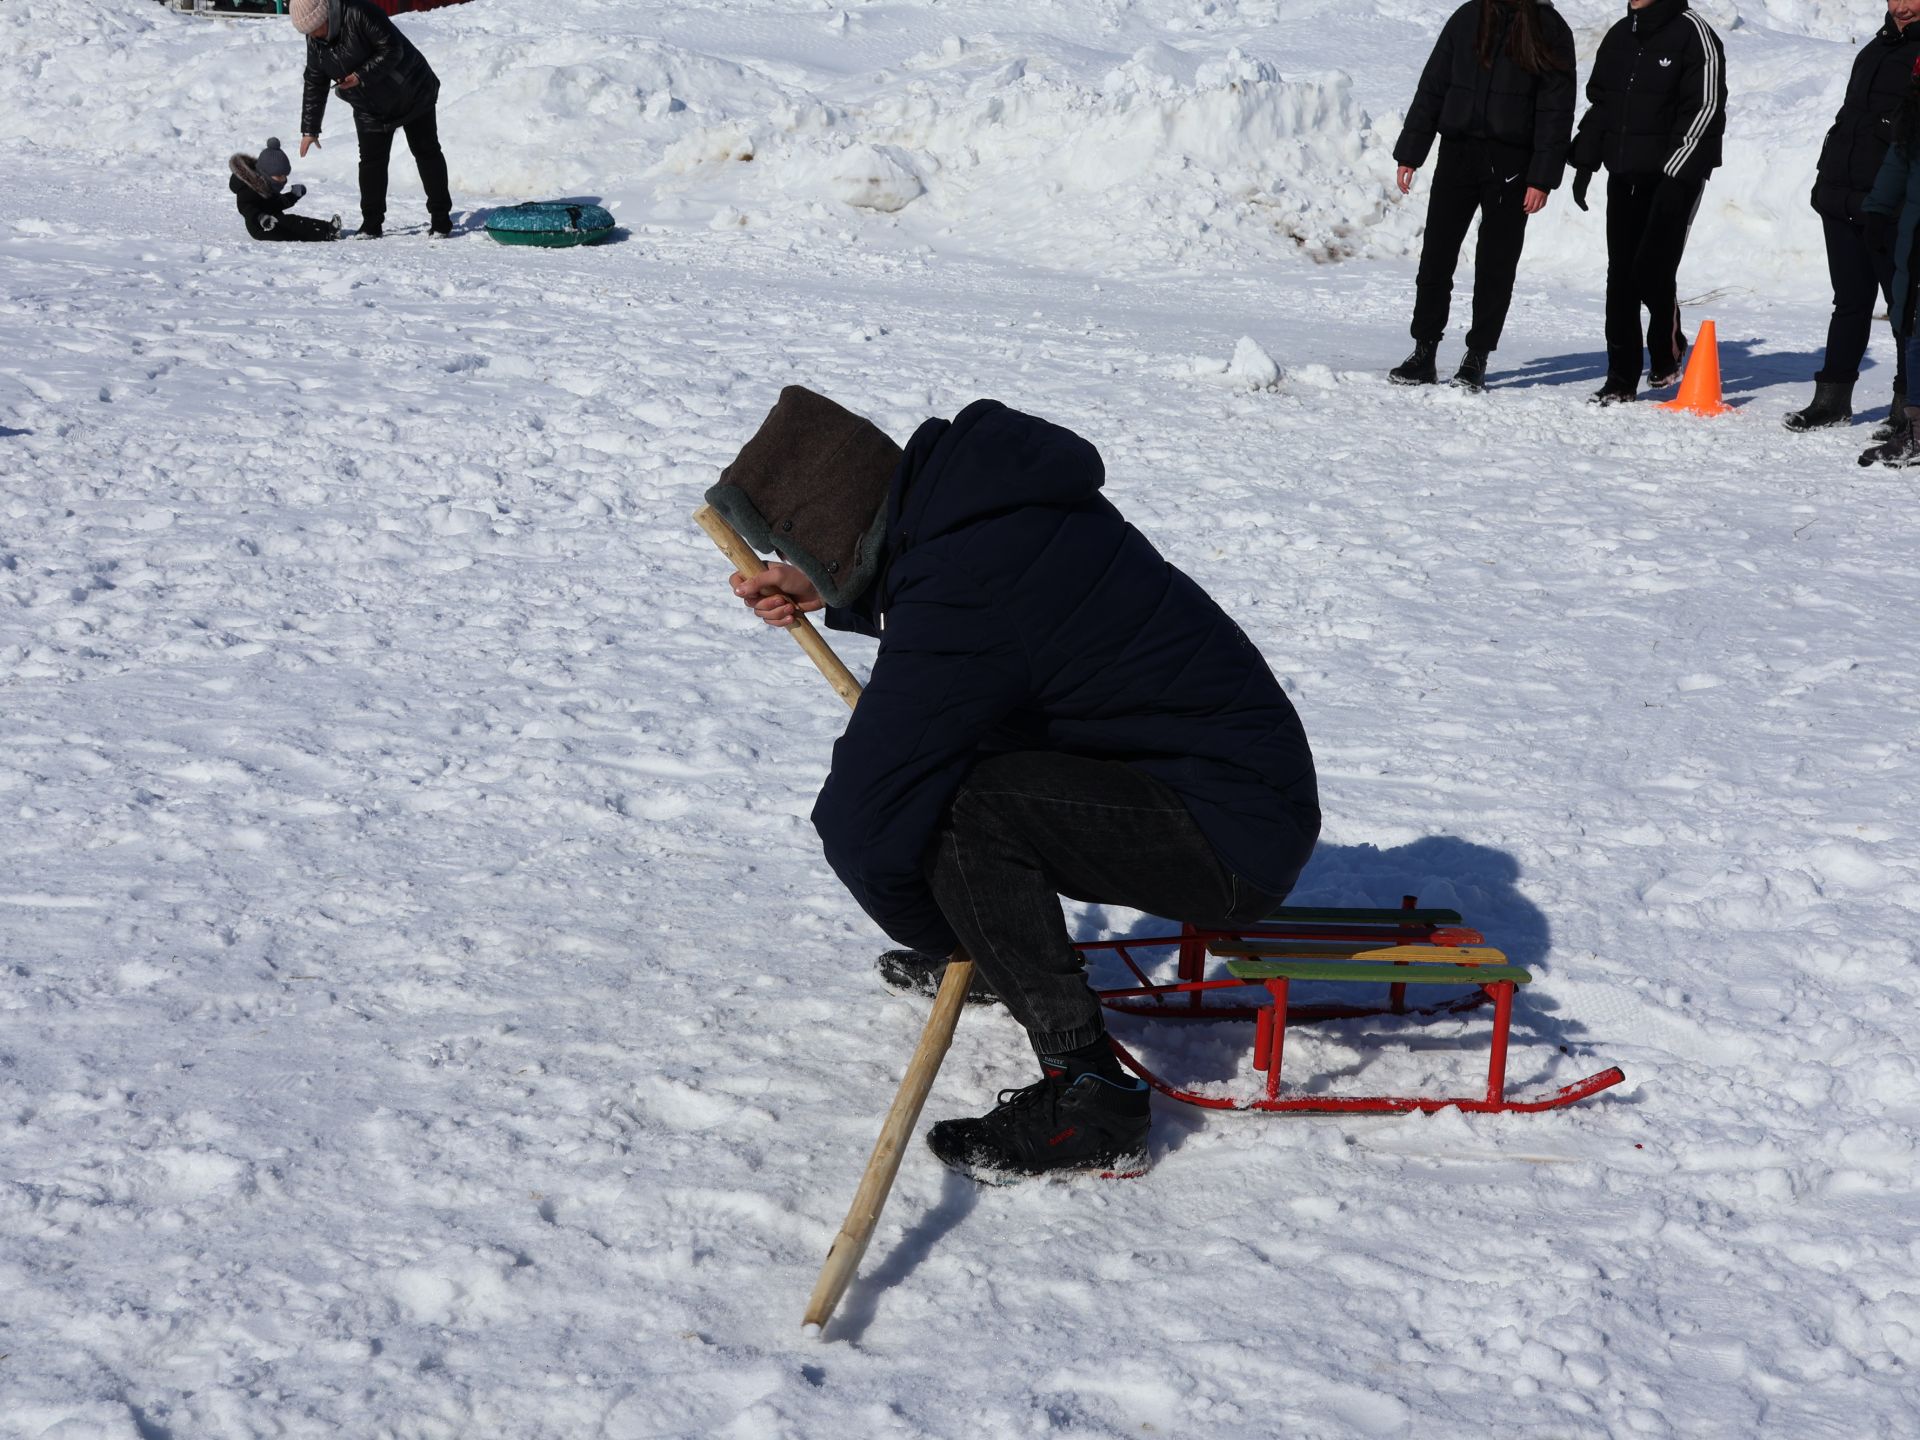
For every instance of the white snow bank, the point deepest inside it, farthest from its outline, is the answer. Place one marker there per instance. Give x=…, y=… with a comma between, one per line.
x=1182, y=135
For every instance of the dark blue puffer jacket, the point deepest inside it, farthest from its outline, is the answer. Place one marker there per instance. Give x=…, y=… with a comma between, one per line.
x=1017, y=610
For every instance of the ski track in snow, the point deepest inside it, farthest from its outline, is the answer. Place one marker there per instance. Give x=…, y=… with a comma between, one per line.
x=424, y=1010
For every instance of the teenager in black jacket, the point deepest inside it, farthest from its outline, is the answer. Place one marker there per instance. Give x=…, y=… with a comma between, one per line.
x=1498, y=91
x=1658, y=108
x=388, y=85
x=1861, y=272
x=1054, y=709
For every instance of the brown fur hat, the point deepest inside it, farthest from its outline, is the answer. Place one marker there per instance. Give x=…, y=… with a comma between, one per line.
x=812, y=485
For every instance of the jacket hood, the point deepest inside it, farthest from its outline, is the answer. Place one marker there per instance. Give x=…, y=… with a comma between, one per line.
x=1007, y=460
x=243, y=171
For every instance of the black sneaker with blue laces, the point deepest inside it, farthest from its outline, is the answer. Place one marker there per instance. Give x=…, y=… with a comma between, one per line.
x=1074, y=1120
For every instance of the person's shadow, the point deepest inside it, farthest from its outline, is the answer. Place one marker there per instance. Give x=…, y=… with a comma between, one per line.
x=1746, y=366
x=7, y=432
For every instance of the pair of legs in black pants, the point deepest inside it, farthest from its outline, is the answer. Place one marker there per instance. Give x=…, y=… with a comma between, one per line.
x=1861, y=275
x=376, y=150
x=292, y=227
x=1029, y=827
x=1471, y=176
x=1648, y=217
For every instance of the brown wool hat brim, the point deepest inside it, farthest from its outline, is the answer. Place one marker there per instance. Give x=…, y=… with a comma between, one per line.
x=812, y=485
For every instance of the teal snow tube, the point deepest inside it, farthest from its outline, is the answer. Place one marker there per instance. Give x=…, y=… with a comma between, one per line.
x=550, y=223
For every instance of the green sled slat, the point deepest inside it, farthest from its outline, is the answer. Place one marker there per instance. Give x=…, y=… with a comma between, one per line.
x=1375, y=972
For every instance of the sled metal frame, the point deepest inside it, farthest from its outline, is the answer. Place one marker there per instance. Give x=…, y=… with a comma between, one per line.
x=1334, y=945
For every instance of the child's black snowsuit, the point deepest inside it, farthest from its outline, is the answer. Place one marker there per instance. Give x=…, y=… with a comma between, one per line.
x=265, y=210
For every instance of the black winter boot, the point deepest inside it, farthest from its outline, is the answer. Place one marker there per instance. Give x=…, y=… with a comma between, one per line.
x=915, y=972
x=370, y=229
x=1900, y=450
x=1832, y=405
x=1895, y=418
x=1074, y=1120
x=1418, y=368
x=1615, y=392
x=1472, y=374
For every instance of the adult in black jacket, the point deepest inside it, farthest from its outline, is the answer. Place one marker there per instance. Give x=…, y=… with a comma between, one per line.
x=1861, y=271
x=1498, y=91
x=1054, y=710
x=354, y=47
x=1658, y=109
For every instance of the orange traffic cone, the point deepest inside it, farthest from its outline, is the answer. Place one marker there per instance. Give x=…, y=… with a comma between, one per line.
x=1700, y=386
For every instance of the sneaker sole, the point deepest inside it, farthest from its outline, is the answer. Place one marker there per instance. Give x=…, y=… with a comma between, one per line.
x=1124, y=1167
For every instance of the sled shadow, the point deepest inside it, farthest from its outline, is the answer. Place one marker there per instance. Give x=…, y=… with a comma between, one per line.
x=7, y=432
x=1443, y=872
x=958, y=1196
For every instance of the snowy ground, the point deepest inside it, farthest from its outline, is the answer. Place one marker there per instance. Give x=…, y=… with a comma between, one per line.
x=423, y=1009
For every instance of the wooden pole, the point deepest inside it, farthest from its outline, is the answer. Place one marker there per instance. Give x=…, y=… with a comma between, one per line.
x=843, y=1259
x=749, y=564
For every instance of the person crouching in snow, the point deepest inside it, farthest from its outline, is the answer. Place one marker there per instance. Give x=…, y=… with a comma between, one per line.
x=1054, y=710
x=1499, y=92
x=258, y=184
x=1894, y=205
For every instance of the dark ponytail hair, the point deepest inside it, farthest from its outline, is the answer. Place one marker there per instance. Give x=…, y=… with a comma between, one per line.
x=1526, y=42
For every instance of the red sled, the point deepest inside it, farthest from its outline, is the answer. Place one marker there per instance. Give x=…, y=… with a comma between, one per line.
x=1297, y=945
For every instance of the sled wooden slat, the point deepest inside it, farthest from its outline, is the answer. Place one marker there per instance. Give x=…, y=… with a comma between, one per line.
x=1409, y=954
x=1323, y=916
x=1376, y=972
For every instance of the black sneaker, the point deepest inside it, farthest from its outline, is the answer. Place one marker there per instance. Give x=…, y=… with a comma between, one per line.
x=370, y=229
x=1472, y=374
x=1062, y=1124
x=915, y=972
x=1671, y=377
x=441, y=227
x=1614, y=392
x=1417, y=368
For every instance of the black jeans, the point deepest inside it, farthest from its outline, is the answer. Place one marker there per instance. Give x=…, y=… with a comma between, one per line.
x=376, y=150
x=1648, y=217
x=1029, y=827
x=1471, y=175
x=1861, y=274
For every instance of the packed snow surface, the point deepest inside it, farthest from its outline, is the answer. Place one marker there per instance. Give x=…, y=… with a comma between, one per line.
x=424, y=1011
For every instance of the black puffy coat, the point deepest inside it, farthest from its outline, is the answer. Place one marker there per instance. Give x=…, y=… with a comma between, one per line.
x=1857, y=142
x=256, y=208
x=396, y=83
x=1658, y=97
x=1017, y=610
x=1459, y=99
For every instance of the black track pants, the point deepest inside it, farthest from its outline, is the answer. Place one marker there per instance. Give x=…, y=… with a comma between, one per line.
x=1470, y=176
x=291, y=227
x=1648, y=217
x=376, y=150
x=1029, y=827
x=1861, y=276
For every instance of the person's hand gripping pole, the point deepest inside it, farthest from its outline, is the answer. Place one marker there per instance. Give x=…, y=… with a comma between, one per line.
x=868, y=1201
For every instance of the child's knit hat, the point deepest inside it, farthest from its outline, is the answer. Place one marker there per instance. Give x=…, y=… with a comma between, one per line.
x=272, y=162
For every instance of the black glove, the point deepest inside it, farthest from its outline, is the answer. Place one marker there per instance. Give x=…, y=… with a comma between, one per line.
x=1581, y=179
x=297, y=191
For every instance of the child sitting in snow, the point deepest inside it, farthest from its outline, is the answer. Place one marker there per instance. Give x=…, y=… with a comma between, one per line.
x=256, y=186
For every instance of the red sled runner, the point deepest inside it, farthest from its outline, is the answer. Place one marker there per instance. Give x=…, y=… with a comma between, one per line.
x=1394, y=948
